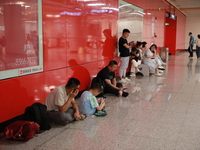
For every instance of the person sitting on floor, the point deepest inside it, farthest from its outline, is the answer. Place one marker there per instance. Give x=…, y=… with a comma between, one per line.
x=151, y=59
x=135, y=58
x=88, y=102
x=58, y=103
x=107, y=75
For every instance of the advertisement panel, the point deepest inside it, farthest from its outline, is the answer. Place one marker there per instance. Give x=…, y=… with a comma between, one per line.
x=20, y=38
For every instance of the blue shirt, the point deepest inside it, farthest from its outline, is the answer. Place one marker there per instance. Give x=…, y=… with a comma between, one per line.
x=192, y=40
x=88, y=103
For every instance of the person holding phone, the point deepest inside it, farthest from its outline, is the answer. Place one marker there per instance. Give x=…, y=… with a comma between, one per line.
x=89, y=104
x=151, y=59
x=61, y=105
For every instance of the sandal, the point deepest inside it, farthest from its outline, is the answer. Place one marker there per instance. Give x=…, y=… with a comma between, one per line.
x=100, y=113
x=82, y=116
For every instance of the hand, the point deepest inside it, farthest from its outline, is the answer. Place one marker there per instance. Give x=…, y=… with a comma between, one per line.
x=77, y=115
x=73, y=93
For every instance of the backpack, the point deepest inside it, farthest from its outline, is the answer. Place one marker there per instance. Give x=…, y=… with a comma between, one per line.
x=37, y=113
x=21, y=130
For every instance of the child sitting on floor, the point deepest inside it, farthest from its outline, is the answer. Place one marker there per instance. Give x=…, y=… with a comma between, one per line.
x=89, y=104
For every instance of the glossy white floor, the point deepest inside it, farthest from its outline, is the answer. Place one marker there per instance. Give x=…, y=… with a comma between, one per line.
x=161, y=113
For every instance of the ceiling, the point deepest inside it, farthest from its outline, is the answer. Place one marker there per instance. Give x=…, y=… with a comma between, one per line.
x=191, y=8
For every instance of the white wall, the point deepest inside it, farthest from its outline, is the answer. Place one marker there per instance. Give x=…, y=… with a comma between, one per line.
x=192, y=25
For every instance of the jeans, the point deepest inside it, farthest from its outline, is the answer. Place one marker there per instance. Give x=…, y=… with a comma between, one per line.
x=57, y=116
x=110, y=89
x=198, y=51
x=190, y=50
x=123, y=66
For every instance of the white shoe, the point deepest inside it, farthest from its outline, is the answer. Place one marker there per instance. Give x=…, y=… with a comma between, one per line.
x=123, y=81
x=132, y=75
x=127, y=80
x=158, y=74
x=161, y=68
x=160, y=71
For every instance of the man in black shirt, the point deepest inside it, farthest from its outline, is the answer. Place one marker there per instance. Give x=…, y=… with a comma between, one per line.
x=107, y=75
x=124, y=54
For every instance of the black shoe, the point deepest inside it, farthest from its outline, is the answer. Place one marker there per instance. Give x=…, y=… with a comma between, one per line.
x=125, y=94
x=161, y=68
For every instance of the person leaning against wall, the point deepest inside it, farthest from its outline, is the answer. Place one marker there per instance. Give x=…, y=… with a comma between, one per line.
x=124, y=56
x=61, y=105
x=197, y=42
x=191, y=44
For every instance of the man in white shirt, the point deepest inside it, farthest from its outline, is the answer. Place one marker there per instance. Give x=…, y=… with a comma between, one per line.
x=61, y=105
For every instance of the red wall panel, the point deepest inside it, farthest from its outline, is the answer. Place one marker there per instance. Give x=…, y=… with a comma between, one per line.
x=74, y=44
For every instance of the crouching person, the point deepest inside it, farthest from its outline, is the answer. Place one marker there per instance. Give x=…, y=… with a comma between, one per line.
x=61, y=105
x=107, y=75
x=89, y=104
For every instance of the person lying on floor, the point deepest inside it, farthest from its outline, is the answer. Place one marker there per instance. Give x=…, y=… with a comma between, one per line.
x=61, y=105
x=89, y=104
x=107, y=75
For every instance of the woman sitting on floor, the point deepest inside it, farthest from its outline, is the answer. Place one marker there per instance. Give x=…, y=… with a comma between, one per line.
x=151, y=59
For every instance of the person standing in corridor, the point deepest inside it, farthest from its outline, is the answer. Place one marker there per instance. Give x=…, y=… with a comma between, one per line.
x=124, y=56
x=191, y=44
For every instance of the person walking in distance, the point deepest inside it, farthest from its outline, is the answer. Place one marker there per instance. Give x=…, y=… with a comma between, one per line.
x=191, y=44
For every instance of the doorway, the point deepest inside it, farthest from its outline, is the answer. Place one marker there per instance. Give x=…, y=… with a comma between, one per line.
x=170, y=35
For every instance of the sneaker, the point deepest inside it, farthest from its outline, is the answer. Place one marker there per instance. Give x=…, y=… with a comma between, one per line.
x=158, y=74
x=132, y=75
x=160, y=71
x=161, y=68
x=123, y=81
x=125, y=94
x=127, y=79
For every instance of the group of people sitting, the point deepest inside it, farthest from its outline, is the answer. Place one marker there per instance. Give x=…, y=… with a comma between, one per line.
x=62, y=107
x=140, y=54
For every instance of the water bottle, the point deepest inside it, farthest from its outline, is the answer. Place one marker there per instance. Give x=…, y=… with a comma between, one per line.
x=120, y=92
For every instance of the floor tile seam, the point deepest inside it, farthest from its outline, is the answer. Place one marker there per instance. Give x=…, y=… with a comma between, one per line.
x=53, y=136
x=134, y=135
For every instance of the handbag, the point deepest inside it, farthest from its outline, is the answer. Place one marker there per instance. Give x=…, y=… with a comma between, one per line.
x=21, y=130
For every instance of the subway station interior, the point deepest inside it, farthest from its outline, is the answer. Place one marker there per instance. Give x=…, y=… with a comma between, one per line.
x=44, y=43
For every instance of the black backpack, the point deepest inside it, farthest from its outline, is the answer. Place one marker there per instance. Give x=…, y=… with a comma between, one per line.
x=37, y=113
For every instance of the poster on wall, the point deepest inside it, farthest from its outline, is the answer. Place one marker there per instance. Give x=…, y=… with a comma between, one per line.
x=20, y=43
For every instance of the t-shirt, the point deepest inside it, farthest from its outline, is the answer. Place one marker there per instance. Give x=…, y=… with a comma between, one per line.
x=88, y=103
x=57, y=97
x=197, y=41
x=134, y=49
x=192, y=39
x=124, y=52
x=106, y=74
